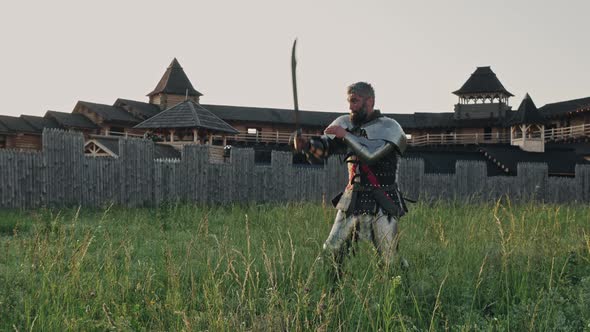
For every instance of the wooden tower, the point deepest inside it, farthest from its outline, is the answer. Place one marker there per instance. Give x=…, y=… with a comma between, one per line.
x=482, y=97
x=527, y=127
x=174, y=87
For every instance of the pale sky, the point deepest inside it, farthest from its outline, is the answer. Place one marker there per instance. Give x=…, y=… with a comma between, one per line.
x=415, y=53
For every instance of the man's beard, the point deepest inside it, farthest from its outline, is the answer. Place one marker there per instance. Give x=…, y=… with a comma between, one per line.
x=359, y=117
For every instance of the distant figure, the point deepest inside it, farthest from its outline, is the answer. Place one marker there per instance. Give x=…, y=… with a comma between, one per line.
x=371, y=204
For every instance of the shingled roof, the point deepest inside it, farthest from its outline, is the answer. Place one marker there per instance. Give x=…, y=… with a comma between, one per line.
x=71, y=120
x=13, y=124
x=483, y=80
x=527, y=113
x=432, y=120
x=564, y=107
x=39, y=123
x=323, y=119
x=175, y=81
x=3, y=129
x=271, y=115
x=187, y=114
x=109, y=113
x=404, y=120
x=443, y=120
x=144, y=110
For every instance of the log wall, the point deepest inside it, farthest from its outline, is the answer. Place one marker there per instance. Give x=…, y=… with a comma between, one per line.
x=61, y=175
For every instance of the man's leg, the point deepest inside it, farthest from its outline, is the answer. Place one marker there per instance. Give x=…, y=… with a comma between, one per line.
x=385, y=237
x=338, y=243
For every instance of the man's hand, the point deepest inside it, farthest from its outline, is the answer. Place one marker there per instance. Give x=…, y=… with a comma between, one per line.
x=337, y=131
x=313, y=148
x=298, y=142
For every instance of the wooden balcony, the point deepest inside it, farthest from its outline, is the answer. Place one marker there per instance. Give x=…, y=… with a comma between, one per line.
x=282, y=137
x=277, y=137
x=458, y=139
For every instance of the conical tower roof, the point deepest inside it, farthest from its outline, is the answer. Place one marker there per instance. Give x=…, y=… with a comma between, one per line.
x=483, y=80
x=527, y=113
x=174, y=81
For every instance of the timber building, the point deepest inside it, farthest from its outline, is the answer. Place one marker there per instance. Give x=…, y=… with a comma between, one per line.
x=482, y=126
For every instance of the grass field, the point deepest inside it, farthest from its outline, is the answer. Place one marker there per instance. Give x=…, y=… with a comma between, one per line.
x=260, y=267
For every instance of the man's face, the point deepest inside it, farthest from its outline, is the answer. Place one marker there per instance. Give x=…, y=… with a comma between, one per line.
x=359, y=107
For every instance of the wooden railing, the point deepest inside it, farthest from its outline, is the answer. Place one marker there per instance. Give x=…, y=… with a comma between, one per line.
x=458, y=139
x=282, y=137
x=558, y=134
x=428, y=139
x=554, y=134
x=277, y=137
x=125, y=134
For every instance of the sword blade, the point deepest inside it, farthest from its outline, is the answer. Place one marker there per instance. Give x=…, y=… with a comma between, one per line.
x=294, y=78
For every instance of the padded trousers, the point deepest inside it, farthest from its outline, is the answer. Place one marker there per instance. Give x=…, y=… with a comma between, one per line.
x=378, y=228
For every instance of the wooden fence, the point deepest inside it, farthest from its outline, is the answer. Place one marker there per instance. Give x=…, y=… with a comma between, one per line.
x=61, y=175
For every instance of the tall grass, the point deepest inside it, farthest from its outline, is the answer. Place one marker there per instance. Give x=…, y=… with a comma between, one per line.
x=261, y=267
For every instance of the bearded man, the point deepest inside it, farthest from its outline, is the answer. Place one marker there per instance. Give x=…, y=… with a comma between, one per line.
x=371, y=204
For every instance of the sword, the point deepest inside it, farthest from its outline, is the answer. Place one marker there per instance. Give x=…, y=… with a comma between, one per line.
x=294, y=78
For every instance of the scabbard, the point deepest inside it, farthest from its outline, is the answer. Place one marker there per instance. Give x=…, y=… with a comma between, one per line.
x=387, y=203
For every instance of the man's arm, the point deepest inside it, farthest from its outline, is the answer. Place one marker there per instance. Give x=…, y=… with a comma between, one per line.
x=369, y=151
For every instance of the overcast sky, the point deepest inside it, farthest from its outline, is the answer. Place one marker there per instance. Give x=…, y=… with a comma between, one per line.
x=415, y=53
